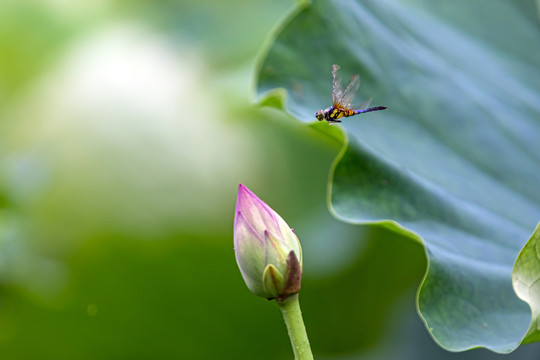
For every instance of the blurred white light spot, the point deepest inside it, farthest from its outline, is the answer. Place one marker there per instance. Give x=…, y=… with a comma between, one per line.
x=135, y=134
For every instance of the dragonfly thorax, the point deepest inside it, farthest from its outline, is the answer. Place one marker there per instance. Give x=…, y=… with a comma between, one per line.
x=332, y=114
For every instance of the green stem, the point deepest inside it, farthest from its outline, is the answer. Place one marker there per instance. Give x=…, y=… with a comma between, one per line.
x=290, y=308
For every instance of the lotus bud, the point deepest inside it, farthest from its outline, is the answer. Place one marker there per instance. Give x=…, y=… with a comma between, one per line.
x=267, y=250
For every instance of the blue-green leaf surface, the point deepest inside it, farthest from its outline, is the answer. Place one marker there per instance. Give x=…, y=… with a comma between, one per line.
x=455, y=160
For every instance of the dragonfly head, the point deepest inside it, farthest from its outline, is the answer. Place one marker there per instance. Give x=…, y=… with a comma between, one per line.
x=319, y=115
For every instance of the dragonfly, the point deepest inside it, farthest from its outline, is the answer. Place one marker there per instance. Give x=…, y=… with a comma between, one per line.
x=342, y=100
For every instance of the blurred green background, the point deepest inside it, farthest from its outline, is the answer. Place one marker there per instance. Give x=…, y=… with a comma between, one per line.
x=125, y=128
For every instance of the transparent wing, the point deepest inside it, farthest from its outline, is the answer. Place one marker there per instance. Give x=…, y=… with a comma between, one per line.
x=337, y=91
x=350, y=91
x=362, y=105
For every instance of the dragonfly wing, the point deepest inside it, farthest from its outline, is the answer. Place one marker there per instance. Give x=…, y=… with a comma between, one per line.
x=337, y=91
x=349, y=92
x=361, y=106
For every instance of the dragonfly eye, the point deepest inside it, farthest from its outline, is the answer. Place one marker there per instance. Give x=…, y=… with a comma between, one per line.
x=319, y=115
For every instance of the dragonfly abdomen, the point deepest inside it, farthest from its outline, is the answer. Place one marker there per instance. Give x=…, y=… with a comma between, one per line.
x=375, y=108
